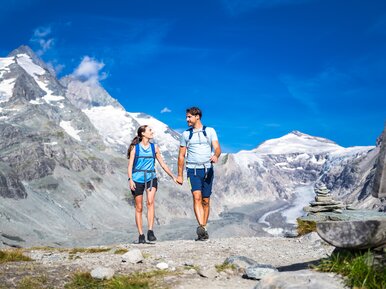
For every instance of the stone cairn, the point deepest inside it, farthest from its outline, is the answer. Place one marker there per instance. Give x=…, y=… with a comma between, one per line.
x=324, y=202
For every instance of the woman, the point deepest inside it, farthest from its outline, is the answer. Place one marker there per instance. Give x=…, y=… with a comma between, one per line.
x=142, y=177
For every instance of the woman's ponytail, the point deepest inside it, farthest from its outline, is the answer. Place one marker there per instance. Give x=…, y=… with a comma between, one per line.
x=137, y=139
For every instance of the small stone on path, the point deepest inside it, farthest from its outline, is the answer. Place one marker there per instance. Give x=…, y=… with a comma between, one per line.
x=133, y=256
x=102, y=273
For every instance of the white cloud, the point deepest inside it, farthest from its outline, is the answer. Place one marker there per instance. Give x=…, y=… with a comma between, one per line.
x=165, y=109
x=55, y=66
x=42, y=31
x=41, y=37
x=89, y=70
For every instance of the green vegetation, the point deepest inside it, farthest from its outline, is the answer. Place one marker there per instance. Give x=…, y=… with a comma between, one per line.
x=88, y=250
x=224, y=266
x=121, y=251
x=47, y=248
x=74, y=251
x=144, y=280
x=354, y=266
x=12, y=256
x=195, y=267
x=305, y=227
x=32, y=282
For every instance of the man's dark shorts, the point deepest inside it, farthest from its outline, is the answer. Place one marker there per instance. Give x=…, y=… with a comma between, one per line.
x=140, y=187
x=200, y=181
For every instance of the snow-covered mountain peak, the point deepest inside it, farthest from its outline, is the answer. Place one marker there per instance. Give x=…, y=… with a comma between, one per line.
x=87, y=94
x=27, y=51
x=297, y=142
x=23, y=49
x=305, y=136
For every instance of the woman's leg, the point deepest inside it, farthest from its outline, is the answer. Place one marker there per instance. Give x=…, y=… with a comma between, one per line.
x=138, y=213
x=150, y=207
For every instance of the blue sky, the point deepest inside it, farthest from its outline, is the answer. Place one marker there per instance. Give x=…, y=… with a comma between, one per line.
x=258, y=69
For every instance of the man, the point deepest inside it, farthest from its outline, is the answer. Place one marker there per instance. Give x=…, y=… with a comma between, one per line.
x=203, y=149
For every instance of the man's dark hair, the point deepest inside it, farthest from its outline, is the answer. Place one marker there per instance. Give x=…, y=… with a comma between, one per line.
x=194, y=111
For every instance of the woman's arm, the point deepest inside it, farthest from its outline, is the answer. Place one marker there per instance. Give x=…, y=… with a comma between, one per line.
x=163, y=164
x=130, y=169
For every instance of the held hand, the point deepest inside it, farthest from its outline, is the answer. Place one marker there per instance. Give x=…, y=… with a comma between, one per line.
x=214, y=159
x=179, y=180
x=132, y=185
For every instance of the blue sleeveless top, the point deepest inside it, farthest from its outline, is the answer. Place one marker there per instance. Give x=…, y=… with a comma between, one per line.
x=144, y=164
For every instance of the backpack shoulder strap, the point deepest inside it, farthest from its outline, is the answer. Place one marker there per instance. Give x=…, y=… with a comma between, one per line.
x=152, y=149
x=136, y=155
x=206, y=136
x=190, y=130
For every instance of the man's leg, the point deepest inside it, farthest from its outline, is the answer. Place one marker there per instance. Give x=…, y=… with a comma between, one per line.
x=206, y=207
x=198, y=208
x=206, y=192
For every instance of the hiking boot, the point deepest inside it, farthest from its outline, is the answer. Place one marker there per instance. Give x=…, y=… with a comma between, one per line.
x=206, y=235
x=200, y=233
x=150, y=236
x=141, y=239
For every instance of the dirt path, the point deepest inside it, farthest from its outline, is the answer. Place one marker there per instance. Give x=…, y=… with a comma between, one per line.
x=187, y=261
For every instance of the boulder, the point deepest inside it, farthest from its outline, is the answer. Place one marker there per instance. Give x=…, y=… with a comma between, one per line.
x=240, y=262
x=304, y=279
x=379, y=184
x=353, y=234
x=133, y=256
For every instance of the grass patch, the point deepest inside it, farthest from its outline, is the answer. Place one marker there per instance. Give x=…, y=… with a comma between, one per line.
x=47, y=248
x=74, y=251
x=13, y=256
x=32, y=282
x=121, y=251
x=354, y=266
x=88, y=250
x=188, y=267
x=304, y=227
x=224, y=266
x=143, y=280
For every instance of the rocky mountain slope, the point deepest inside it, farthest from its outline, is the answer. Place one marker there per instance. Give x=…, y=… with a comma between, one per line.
x=60, y=181
x=63, y=176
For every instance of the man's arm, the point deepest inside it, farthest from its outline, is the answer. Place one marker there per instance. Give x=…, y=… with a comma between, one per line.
x=217, y=151
x=181, y=161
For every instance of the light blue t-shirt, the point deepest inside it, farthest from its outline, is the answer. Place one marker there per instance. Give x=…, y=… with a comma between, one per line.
x=199, y=147
x=144, y=164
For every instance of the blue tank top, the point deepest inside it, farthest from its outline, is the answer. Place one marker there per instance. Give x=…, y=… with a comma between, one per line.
x=144, y=164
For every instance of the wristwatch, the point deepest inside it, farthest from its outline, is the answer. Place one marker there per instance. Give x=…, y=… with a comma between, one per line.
x=128, y=179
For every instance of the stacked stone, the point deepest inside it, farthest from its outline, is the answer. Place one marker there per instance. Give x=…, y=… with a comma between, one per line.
x=324, y=202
